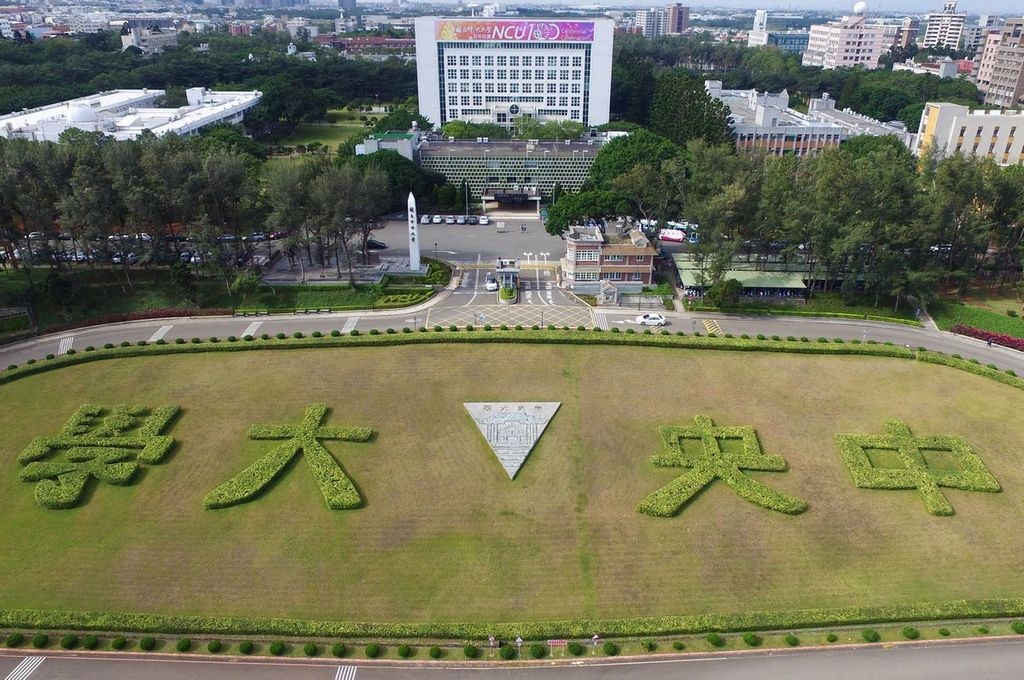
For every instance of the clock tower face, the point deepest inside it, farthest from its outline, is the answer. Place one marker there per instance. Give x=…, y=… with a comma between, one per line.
x=514, y=109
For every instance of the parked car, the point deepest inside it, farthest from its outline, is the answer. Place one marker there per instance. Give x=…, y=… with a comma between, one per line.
x=185, y=256
x=374, y=244
x=179, y=238
x=491, y=282
x=436, y=219
x=450, y=219
x=256, y=237
x=277, y=235
x=65, y=236
x=672, y=235
x=227, y=238
x=36, y=236
x=472, y=219
x=651, y=320
x=124, y=258
x=460, y=219
x=143, y=236
x=425, y=219
x=484, y=219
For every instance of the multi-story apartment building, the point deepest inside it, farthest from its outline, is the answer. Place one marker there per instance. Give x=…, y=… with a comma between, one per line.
x=495, y=70
x=150, y=40
x=944, y=29
x=1005, y=85
x=671, y=20
x=986, y=60
x=973, y=37
x=850, y=41
x=952, y=128
x=787, y=41
x=593, y=259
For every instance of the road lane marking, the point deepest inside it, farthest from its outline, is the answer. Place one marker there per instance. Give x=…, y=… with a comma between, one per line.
x=160, y=333
x=346, y=673
x=350, y=325
x=65, y=344
x=712, y=326
x=24, y=669
x=601, y=319
x=252, y=328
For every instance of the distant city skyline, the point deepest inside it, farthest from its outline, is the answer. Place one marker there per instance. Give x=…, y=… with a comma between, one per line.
x=999, y=7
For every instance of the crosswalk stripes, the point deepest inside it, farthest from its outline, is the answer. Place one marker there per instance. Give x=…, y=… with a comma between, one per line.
x=350, y=324
x=65, y=344
x=712, y=326
x=252, y=328
x=601, y=320
x=28, y=666
x=160, y=333
x=346, y=673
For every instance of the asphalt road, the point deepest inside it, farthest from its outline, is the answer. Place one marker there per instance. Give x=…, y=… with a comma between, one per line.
x=971, y=660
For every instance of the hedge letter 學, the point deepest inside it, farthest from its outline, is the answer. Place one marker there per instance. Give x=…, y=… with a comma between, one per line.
x=338, y=490
x=96, y=443
x=966, y=471
x=708, y=461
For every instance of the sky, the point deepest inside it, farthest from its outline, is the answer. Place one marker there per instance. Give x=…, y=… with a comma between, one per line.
x=999, y=7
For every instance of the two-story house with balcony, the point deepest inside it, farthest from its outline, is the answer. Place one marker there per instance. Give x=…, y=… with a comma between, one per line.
x=592, y=257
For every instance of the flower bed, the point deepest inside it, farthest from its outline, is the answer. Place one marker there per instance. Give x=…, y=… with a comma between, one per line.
x=990, y=336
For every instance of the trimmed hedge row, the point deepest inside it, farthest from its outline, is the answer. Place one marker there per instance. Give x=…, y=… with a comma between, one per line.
x=782, y=311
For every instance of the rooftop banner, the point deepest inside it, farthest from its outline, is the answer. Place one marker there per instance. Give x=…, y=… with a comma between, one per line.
x=514, y=30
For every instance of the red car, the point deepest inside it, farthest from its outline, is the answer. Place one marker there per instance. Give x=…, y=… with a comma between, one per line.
x=277, y=235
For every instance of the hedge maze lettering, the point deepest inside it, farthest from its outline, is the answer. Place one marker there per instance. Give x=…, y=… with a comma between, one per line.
x=904, y=461
x=337, y=489
x=715, y=453
x=96, y=443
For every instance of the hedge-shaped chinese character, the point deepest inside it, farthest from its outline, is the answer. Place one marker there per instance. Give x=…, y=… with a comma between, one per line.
x=967, y=471
x=708, y=461
x=96, y=443
x=338, y=490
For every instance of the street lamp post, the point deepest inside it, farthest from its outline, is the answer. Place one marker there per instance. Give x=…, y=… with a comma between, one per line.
x=435, y=253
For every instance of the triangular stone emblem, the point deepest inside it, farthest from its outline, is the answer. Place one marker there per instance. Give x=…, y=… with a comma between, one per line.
x=512, y=427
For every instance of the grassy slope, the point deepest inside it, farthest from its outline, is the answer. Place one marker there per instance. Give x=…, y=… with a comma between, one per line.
x=949, y=314
x=446, y=536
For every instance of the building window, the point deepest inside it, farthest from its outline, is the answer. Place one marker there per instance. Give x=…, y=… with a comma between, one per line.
x=563, y=75
x=513, y=61
x=502, y=61
x=563, y=101
x=576, y=75
x=476, y=74
x=636, y=276
x=587, y=255
x=465, y=101
x=502, y=74
x=563, y=88
x=489, y=88
x=575, y=88
x=464, y=60
x=476, y=61
x=464, y=87
x=640, y=259
x=564, y=61
x=550, y=101
x=488, y=74
x=614, y=276
x=453, y=101
x=575, y=101
x=527, y=61
x=478, y=101
x=538, y=74
x=451, y=60
x=477, y=88
x=464, y=73
x=513, y=88
x=585, y=276
x=488, y=61
x=514, y=74
x=452, y=74
x=527, y=88
x=502, y=88
x=552, y=75
x=576, y=115
x=577, y=61
x=613, y=258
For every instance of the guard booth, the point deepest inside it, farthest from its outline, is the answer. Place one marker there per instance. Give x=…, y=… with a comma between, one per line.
x=507, y=273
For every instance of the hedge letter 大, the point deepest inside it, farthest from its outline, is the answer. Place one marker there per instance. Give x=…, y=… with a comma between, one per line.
x=96, y=443
x=708, y=461
x=338, y=490
x=968, y=472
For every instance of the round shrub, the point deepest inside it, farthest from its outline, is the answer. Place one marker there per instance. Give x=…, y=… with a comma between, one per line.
x=1010, y=371
x=90, y=348
x=743, y=336
x=107, y=345
x=90, y=642
x=715, y=640
x=277, y=648
x=791, y=640
x=69, y=642
x=435, y=652
x=232, y=338
x=30, y=362
x=161, y=341
x=838, y=341
x=678, y=645
x=338, y=649
x=12, y=367
x=248, y=338
x=310, y=649
x=870, y=635
x=751, y=639
x=648, y=645
x=14, y=640
x=822, y=339
x=831, y=637
x=575, y=648
x=372, y=651
x=335, y=333
x=406, y=329
x=264, y=336
x=354, y=332
x=1018, y=627
x=803, y=338
x=791, y=338
x=504, y=327
x=647, y=331
x=437, y=329
x=245, y=647
x=508, y=652
x=537, y=651
x=317, y=334
x=581, y=328
x=72, y=351
x=404, y=651
x=775, y=337
x=983, y=630
x=487, y=326
x=40, y=640
x=944, y=632
x=214, y=646
x=760, y=336
x=551, y=326
x=195, y=341
x=280, y=336
x=453, y=328
x=374, y=331
x=297, y=335
x=535, y=327
x=142, y=343
x=49, y=356
x=118, y=643
x=390, y=331
x=422, y=329
x=610, y=648
x=183, y=645
x=179, y=341
x=630, y=331
x=469, y=326
x=147, y=644
x=911, y=633
x=519, y=326
x=213, y=338
x=471, y=651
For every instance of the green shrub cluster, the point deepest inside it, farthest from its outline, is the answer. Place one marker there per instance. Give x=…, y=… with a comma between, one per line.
x=310, y=649
x=119, y=642
x=404, y=651
x=40, y=640
x=911, y=633
x=372, y=650
x=791, y=640
x=214, y=646
x=435, y=652
x=245, y=647
x=715, y=640
x=751, y=639
x=870, y=635
x=90, y=642
x=147, y=644
x=507, y=652
x=470, y=651
x=183, y=645
x=610, y=648
x=339, y=649
x=69, y=641
x=14, y=640
x=277, y=648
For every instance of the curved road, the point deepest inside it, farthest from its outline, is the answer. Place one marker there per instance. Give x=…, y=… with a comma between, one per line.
x=949, y=660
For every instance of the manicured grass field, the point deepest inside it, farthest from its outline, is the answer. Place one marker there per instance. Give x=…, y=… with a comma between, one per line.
x=949, y=314
x=446, y=536
x=344, y=125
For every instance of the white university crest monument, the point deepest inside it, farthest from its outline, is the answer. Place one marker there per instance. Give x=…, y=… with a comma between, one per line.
x=414, y=238
x=512, y=428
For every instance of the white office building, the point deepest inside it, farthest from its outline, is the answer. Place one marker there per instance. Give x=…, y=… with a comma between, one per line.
x=953, y=129
x=944, y=29
x=495, y=70
x=126, y=114
x=850, y=41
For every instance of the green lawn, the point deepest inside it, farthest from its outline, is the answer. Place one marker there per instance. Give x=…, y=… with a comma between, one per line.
x=446, y=536
x=948, y=314
x=344, y=125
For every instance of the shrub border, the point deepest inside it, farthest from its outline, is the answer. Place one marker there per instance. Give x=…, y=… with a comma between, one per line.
x=37, y=619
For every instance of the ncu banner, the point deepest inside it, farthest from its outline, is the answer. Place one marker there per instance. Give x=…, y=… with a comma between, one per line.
x=514, y=30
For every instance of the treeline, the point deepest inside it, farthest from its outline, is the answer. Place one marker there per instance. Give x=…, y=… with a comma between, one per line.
x=866, y=217
x=883, y=94
x=294, y=89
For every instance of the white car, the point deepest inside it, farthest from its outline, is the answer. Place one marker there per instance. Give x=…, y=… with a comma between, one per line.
x=450, y=219
x=436, y=219
x=651, y=320
x=425, y=219
x=484, y=219
x=491, y=283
